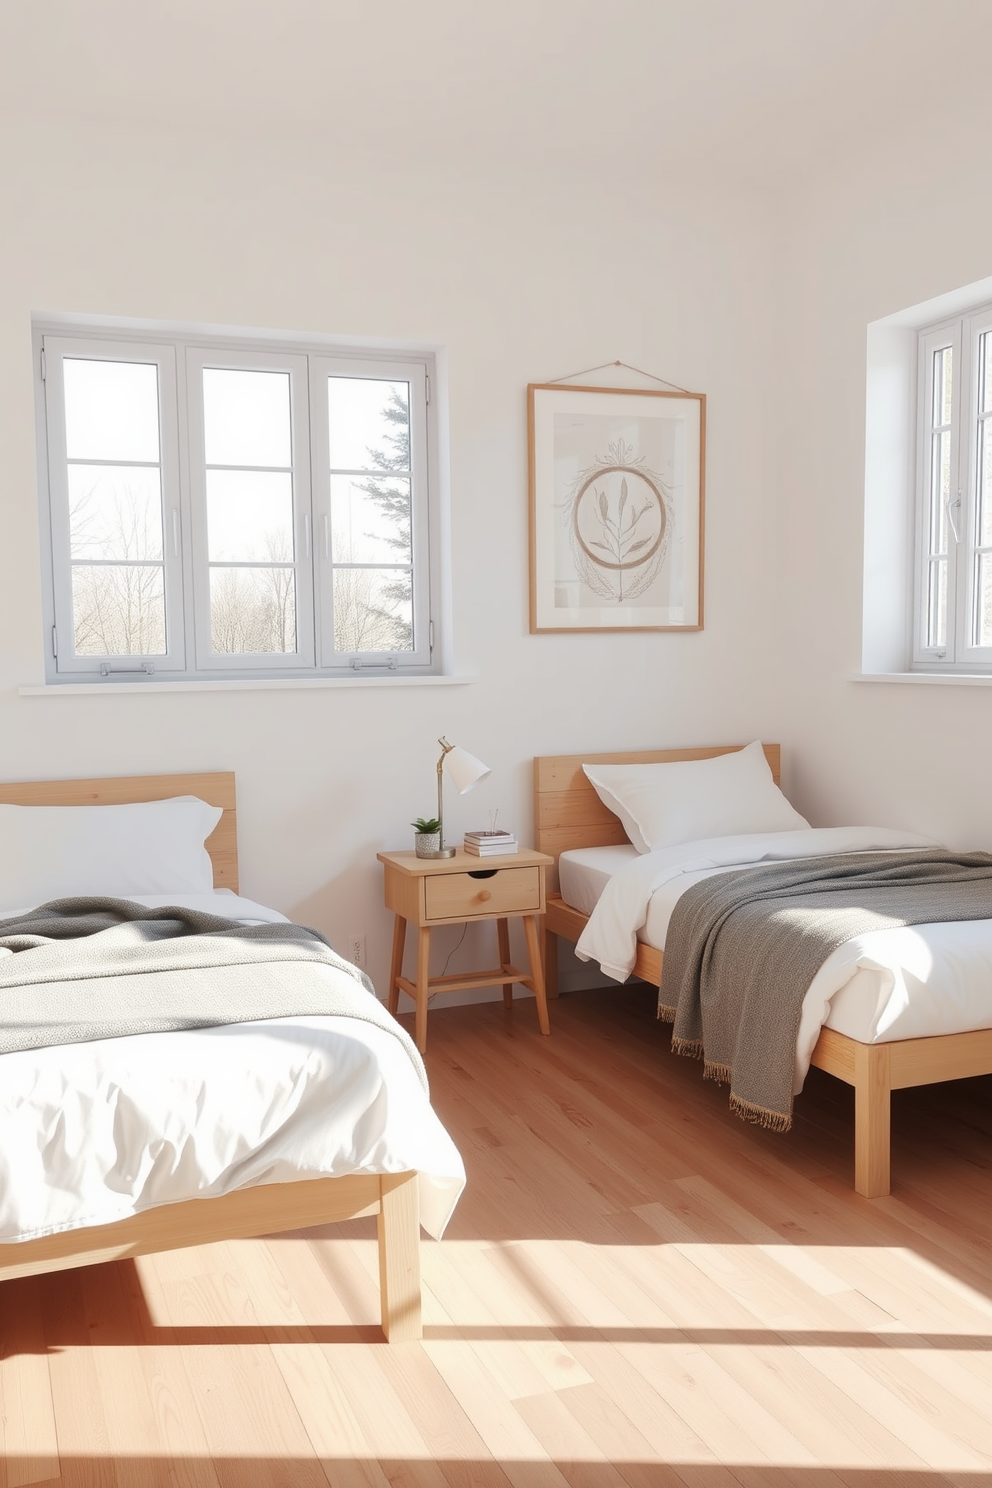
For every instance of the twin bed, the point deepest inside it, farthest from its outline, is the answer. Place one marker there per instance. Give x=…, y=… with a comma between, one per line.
x=571, y=819
x=216, y=1132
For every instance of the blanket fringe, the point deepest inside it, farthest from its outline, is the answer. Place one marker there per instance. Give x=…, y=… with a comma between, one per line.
x=665, y=1014
x=691, y=1048
x=718, y=1073
x=777, y=1121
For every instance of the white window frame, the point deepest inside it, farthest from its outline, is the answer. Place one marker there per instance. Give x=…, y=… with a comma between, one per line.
x=323, y=368
x=960, y=651
x=181, y=357
x=199, y=359
x=60, y=616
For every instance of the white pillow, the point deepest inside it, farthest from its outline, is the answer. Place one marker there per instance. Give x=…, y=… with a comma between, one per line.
x=149, y=847
x=663, y=805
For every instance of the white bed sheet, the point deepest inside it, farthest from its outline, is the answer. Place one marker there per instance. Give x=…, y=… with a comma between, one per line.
x=911, y=982
x=91, y=1133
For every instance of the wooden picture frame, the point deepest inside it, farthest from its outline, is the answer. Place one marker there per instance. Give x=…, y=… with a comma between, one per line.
x=616, y=482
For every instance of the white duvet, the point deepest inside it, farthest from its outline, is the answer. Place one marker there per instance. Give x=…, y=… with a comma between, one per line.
x=909, y=982
x=91, y=1133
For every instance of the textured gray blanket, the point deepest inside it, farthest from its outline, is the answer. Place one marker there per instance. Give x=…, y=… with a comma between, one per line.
x=76, y=970
x=743, y=947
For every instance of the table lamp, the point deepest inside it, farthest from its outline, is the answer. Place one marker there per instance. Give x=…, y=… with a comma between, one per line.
x=464, y=771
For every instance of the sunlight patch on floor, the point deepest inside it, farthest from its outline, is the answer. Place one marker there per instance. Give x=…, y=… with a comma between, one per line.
x=681, y=1352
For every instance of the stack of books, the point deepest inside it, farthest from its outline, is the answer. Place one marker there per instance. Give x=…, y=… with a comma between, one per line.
x=489, y=844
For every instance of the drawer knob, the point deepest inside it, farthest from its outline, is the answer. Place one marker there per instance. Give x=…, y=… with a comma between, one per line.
x=483, y=895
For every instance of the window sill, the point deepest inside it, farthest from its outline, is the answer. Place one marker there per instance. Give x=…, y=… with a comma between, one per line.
x=247, y=684
x=942, y=679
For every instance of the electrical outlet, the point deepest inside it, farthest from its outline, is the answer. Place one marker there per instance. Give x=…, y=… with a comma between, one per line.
x=356, y=951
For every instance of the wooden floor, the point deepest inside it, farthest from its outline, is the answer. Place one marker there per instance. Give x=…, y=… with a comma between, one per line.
x=636, y=1289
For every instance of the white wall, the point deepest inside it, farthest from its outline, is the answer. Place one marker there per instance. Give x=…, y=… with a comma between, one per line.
x=906, y=218
x=522, y=277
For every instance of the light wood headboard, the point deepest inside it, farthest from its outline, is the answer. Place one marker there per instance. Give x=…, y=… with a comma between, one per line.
x=569, y=814
x=217, y=789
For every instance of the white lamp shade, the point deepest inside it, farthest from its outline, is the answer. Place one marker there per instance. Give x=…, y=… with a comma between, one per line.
x=464, y=770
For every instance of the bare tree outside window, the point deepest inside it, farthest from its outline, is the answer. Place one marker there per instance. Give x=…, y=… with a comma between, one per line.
x=253, y=609
x=118, y=588
x=364, y=619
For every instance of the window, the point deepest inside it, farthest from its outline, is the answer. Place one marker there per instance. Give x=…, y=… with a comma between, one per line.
x=953, y=611
x=235, y=508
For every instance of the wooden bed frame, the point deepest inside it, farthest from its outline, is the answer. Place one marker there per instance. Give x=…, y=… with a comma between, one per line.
x=568, y=814
x=263, y=1210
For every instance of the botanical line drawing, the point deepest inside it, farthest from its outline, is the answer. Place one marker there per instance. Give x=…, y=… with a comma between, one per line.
x=620, y=516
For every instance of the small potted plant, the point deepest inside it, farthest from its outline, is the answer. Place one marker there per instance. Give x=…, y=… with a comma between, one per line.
x=427, y=841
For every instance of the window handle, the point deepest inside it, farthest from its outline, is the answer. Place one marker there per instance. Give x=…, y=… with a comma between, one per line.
x=951, y=507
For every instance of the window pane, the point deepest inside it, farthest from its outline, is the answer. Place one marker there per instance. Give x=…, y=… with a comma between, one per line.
x=253, y=610
x=940, y=490
x=983, y=601
x=250, y=516
x=937, y=603
x=985, y=364
x=370, y=520
x=985, y=482
x=118, y=611
x=373, y=610
x=369, y=423
x=942, y=364
x=246, y=418
x=111, y=410
x=115, y=511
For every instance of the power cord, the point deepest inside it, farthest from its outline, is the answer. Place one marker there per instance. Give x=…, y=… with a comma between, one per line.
x=444, y=968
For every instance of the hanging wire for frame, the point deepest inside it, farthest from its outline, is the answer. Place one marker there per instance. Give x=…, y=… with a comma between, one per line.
x=602, y=365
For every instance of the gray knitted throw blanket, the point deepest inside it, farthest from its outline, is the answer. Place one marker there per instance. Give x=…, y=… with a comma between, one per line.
x=743, y=947
x=81, y=969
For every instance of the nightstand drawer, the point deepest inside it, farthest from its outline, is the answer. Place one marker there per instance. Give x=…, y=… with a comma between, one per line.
x=458, y=896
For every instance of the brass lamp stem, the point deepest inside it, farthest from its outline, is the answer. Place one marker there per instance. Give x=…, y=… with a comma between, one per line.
x=443, y=852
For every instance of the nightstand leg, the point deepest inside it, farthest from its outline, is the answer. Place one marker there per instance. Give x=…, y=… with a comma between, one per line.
x=423, y=976
x=537, y=971
x=503, y=941
x=549, y=944
x=396, y=965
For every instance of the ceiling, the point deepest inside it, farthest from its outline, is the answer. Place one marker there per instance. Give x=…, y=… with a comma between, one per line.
x=757, y=88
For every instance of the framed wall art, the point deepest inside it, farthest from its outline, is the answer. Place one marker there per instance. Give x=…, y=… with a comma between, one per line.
x=616, y=508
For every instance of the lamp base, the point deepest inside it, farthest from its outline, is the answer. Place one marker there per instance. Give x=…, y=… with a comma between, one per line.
x=442, y=852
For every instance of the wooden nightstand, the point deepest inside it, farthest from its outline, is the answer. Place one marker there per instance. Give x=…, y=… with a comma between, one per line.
x=448, y=891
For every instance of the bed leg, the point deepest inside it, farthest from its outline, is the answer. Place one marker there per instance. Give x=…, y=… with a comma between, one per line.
x=872, y=1100
x=399, y=1257
x=549, y=957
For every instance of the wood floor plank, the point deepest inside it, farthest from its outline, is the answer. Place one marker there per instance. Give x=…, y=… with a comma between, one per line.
x=27, y=1419
x=151, y=1419
x=247, y=1412
x=503, y=1430
x=393, y=1433
x=334, y=1430
x=578, y=1456
x=470, y=1290
x=85, y=1457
